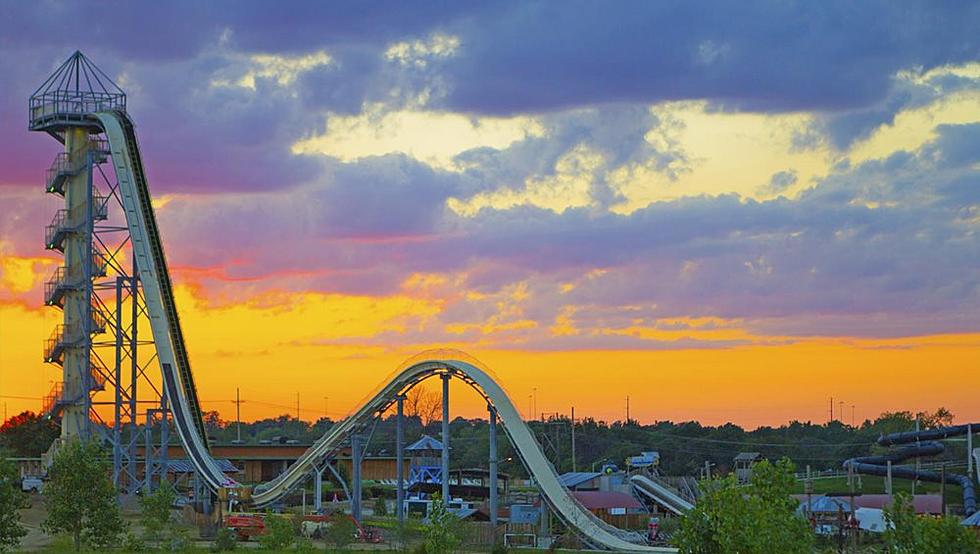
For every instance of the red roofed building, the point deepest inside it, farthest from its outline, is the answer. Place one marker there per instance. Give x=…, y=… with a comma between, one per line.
x=607, y=502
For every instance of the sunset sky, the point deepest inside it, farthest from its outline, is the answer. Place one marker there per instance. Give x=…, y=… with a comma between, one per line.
x=726, y=211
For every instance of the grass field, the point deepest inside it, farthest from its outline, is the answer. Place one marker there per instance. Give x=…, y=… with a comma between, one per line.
x=870, y=484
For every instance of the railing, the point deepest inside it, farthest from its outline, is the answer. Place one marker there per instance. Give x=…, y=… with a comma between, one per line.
x=53, y=398
x=99, y=263
x=54, y=288
x=72, y=106
x=98, y=371
x=68, y=221
x=98, y=320
x=99, y=148
x=61, y=168
x=54, y=232
x=61, y=337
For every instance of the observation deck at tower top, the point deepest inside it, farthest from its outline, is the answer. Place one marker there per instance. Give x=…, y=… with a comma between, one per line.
x=73, y=92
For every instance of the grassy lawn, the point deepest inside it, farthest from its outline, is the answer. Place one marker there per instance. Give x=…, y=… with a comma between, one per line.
x=871, y=484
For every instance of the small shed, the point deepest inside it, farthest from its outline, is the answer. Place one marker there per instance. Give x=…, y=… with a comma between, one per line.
x=743, y=465
x=425, y=461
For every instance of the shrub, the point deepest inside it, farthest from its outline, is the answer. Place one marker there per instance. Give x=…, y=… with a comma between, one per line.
x=278, y=533
x=224, y=540
x=341, y=531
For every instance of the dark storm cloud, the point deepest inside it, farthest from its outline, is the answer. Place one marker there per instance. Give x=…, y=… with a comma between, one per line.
x=753, y=55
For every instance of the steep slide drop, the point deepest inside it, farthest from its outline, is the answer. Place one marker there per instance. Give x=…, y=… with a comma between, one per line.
x=182, y=394
x=168, y=337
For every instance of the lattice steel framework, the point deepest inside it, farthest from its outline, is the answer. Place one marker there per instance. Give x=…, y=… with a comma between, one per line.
x=106, y=384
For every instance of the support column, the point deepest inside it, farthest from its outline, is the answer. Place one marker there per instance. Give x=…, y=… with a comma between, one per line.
x=445, y=439
x=400, y=459
x=969, y=450
x=148, y=455
x=76, y=309
x=134, y=375
x=318, y=490
x=493, y=468
x=164, y=435
x=117, y=414
x=356, y=455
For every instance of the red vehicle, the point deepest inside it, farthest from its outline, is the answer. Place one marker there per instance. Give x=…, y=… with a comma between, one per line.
x=245, y=525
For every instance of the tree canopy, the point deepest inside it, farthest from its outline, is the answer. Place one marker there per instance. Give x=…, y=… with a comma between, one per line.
x=80, y=497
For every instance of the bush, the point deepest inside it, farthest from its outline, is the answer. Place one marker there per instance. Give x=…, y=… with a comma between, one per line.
x=341, y=531
x=155, y=516
x=910, y=533
x=11, y=500
x=380, y=507
x=278, y=533
x=755, y=519
x=224, y=540
x=442, y=532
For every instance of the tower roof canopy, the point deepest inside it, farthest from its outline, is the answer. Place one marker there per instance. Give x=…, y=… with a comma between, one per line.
x=76, y=89
x=425, y=443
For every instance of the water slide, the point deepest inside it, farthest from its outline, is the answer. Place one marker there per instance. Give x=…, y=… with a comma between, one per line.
x=660, y=494
x=179, y=384
x=878, y=465
x=168, y=338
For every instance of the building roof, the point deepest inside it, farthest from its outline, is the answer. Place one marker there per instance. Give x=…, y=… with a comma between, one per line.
x=747, y=456
x=425, y=443
x=604, y=500
x=825, y=504
x=185, y=466
x=921, y=503
x=573, y=479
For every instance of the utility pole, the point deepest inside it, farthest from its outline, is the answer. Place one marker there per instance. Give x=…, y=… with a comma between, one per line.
x=841, y=410
x=534, y=394
x=831, y=410
x=238, y=412
x=297, y=406
x=326, y=407
x=852, y=415
x=627, y=409
x=573, y=440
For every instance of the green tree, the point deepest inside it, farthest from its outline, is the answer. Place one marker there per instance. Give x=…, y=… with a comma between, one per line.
x=909, y=533
x=442, y=531
x=155, y=515
x=28, y=434
x=340, y=532
x=279, y=533
x=758, y=518
x=11, y=501
x=80, y=498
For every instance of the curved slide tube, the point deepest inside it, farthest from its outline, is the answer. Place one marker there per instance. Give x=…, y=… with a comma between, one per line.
x=178, y=382
x=877, y=465
x=457, y=364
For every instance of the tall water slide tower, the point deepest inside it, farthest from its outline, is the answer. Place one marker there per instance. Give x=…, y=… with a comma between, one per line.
x=96, y=290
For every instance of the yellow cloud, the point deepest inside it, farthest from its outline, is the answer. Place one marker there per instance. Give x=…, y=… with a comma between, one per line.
x=431, y=137
x=282, y=69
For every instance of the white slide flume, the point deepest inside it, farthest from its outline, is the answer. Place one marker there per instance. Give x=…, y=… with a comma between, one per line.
x=182, y=394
